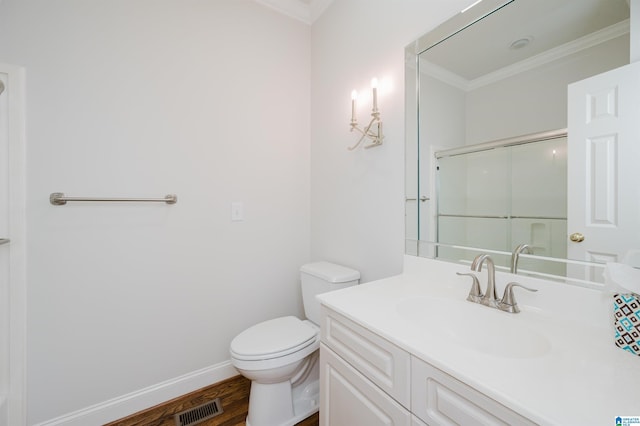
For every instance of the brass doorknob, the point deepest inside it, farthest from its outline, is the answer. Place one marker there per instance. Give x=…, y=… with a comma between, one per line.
x=576, y=237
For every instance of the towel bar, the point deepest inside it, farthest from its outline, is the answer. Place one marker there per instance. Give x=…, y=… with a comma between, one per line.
x=59, y=199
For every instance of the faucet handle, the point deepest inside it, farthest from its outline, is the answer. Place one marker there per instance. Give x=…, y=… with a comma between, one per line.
x=475, y=294
x=508, y=302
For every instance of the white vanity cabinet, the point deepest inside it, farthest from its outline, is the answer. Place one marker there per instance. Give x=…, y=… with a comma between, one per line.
x=366, y=380
x=349, y=398
x=440, y=399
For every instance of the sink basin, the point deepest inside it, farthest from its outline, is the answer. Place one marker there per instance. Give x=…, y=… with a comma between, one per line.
x=475, y=327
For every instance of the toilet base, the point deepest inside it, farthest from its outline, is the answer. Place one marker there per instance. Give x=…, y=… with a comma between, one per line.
x=272, y=404
x=284, y=404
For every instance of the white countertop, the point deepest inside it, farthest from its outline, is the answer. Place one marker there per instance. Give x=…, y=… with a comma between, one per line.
x=581, y=378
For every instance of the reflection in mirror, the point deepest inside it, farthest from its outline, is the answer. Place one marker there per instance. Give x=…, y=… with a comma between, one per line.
x=474, y=86
x=528, y=264
x=501, y=197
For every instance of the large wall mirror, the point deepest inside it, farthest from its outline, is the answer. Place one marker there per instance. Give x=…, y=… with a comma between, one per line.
x=487, y=154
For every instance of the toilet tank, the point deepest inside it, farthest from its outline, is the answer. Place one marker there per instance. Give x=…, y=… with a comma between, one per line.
x=321, y=277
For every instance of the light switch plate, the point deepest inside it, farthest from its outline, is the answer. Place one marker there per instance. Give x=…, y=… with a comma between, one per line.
x=237, y=212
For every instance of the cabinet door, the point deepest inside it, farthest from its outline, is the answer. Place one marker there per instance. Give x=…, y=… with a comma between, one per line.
x=349, y=398
x=440, y=399
x=382, y=362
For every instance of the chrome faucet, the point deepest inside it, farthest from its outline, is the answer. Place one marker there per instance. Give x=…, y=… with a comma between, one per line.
x=515, y=256
x=508, y=302
x=490, y=298
x=475, y=294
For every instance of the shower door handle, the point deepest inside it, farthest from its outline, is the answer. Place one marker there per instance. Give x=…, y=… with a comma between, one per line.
x=4, y=241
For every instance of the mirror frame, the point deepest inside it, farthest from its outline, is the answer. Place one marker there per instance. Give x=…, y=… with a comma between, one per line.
x=456, y=24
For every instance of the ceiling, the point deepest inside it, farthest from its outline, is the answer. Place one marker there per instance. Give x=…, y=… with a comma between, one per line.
x=545, y=24
x=306, y=11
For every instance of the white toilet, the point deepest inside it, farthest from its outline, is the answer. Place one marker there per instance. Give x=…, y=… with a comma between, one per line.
x=280, y=356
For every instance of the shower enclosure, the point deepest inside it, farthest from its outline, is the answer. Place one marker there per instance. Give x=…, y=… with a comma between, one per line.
x=497, y=197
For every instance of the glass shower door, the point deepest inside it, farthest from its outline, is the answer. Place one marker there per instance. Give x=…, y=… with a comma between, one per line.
x=501, y=197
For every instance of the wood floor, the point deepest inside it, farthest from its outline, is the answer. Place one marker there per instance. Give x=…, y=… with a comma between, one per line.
x=234, y=397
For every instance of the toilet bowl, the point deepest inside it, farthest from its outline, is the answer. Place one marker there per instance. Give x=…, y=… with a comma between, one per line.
x=280, y=356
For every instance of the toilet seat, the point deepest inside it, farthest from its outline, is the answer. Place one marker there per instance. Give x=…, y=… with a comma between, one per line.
x=274, y=338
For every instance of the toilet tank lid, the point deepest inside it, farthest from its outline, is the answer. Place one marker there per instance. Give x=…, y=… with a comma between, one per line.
x=330, y=272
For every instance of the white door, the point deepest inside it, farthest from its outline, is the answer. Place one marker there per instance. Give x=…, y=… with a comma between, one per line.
x=12, y=247
x=603, y=168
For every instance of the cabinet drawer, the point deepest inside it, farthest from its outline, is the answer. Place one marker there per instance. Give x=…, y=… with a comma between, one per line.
x=439, y=399
x=348, y=398
x=379, y=360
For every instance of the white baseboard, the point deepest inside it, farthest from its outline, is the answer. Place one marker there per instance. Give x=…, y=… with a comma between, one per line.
x=131, y=403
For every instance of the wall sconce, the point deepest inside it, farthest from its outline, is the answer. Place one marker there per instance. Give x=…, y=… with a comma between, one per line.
x=376, y=136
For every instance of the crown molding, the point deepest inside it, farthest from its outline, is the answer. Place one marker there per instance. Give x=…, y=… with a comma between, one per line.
x=588, y=41
x=298, y=9
x=444, y=75
x=292, y=8
x=575, y=46
x=317, y=8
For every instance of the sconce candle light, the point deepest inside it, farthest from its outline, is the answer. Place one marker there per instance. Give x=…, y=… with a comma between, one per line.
x=375, y=136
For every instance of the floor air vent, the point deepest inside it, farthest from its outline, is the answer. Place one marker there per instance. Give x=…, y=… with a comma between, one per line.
x=199, y=414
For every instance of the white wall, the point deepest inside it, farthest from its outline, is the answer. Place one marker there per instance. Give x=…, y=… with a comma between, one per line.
x=357, y=200
x=442, y=118
x=205, y=99
x=209, y=100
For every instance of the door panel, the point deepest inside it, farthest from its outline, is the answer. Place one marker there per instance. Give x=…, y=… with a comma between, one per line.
x=603, y=172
